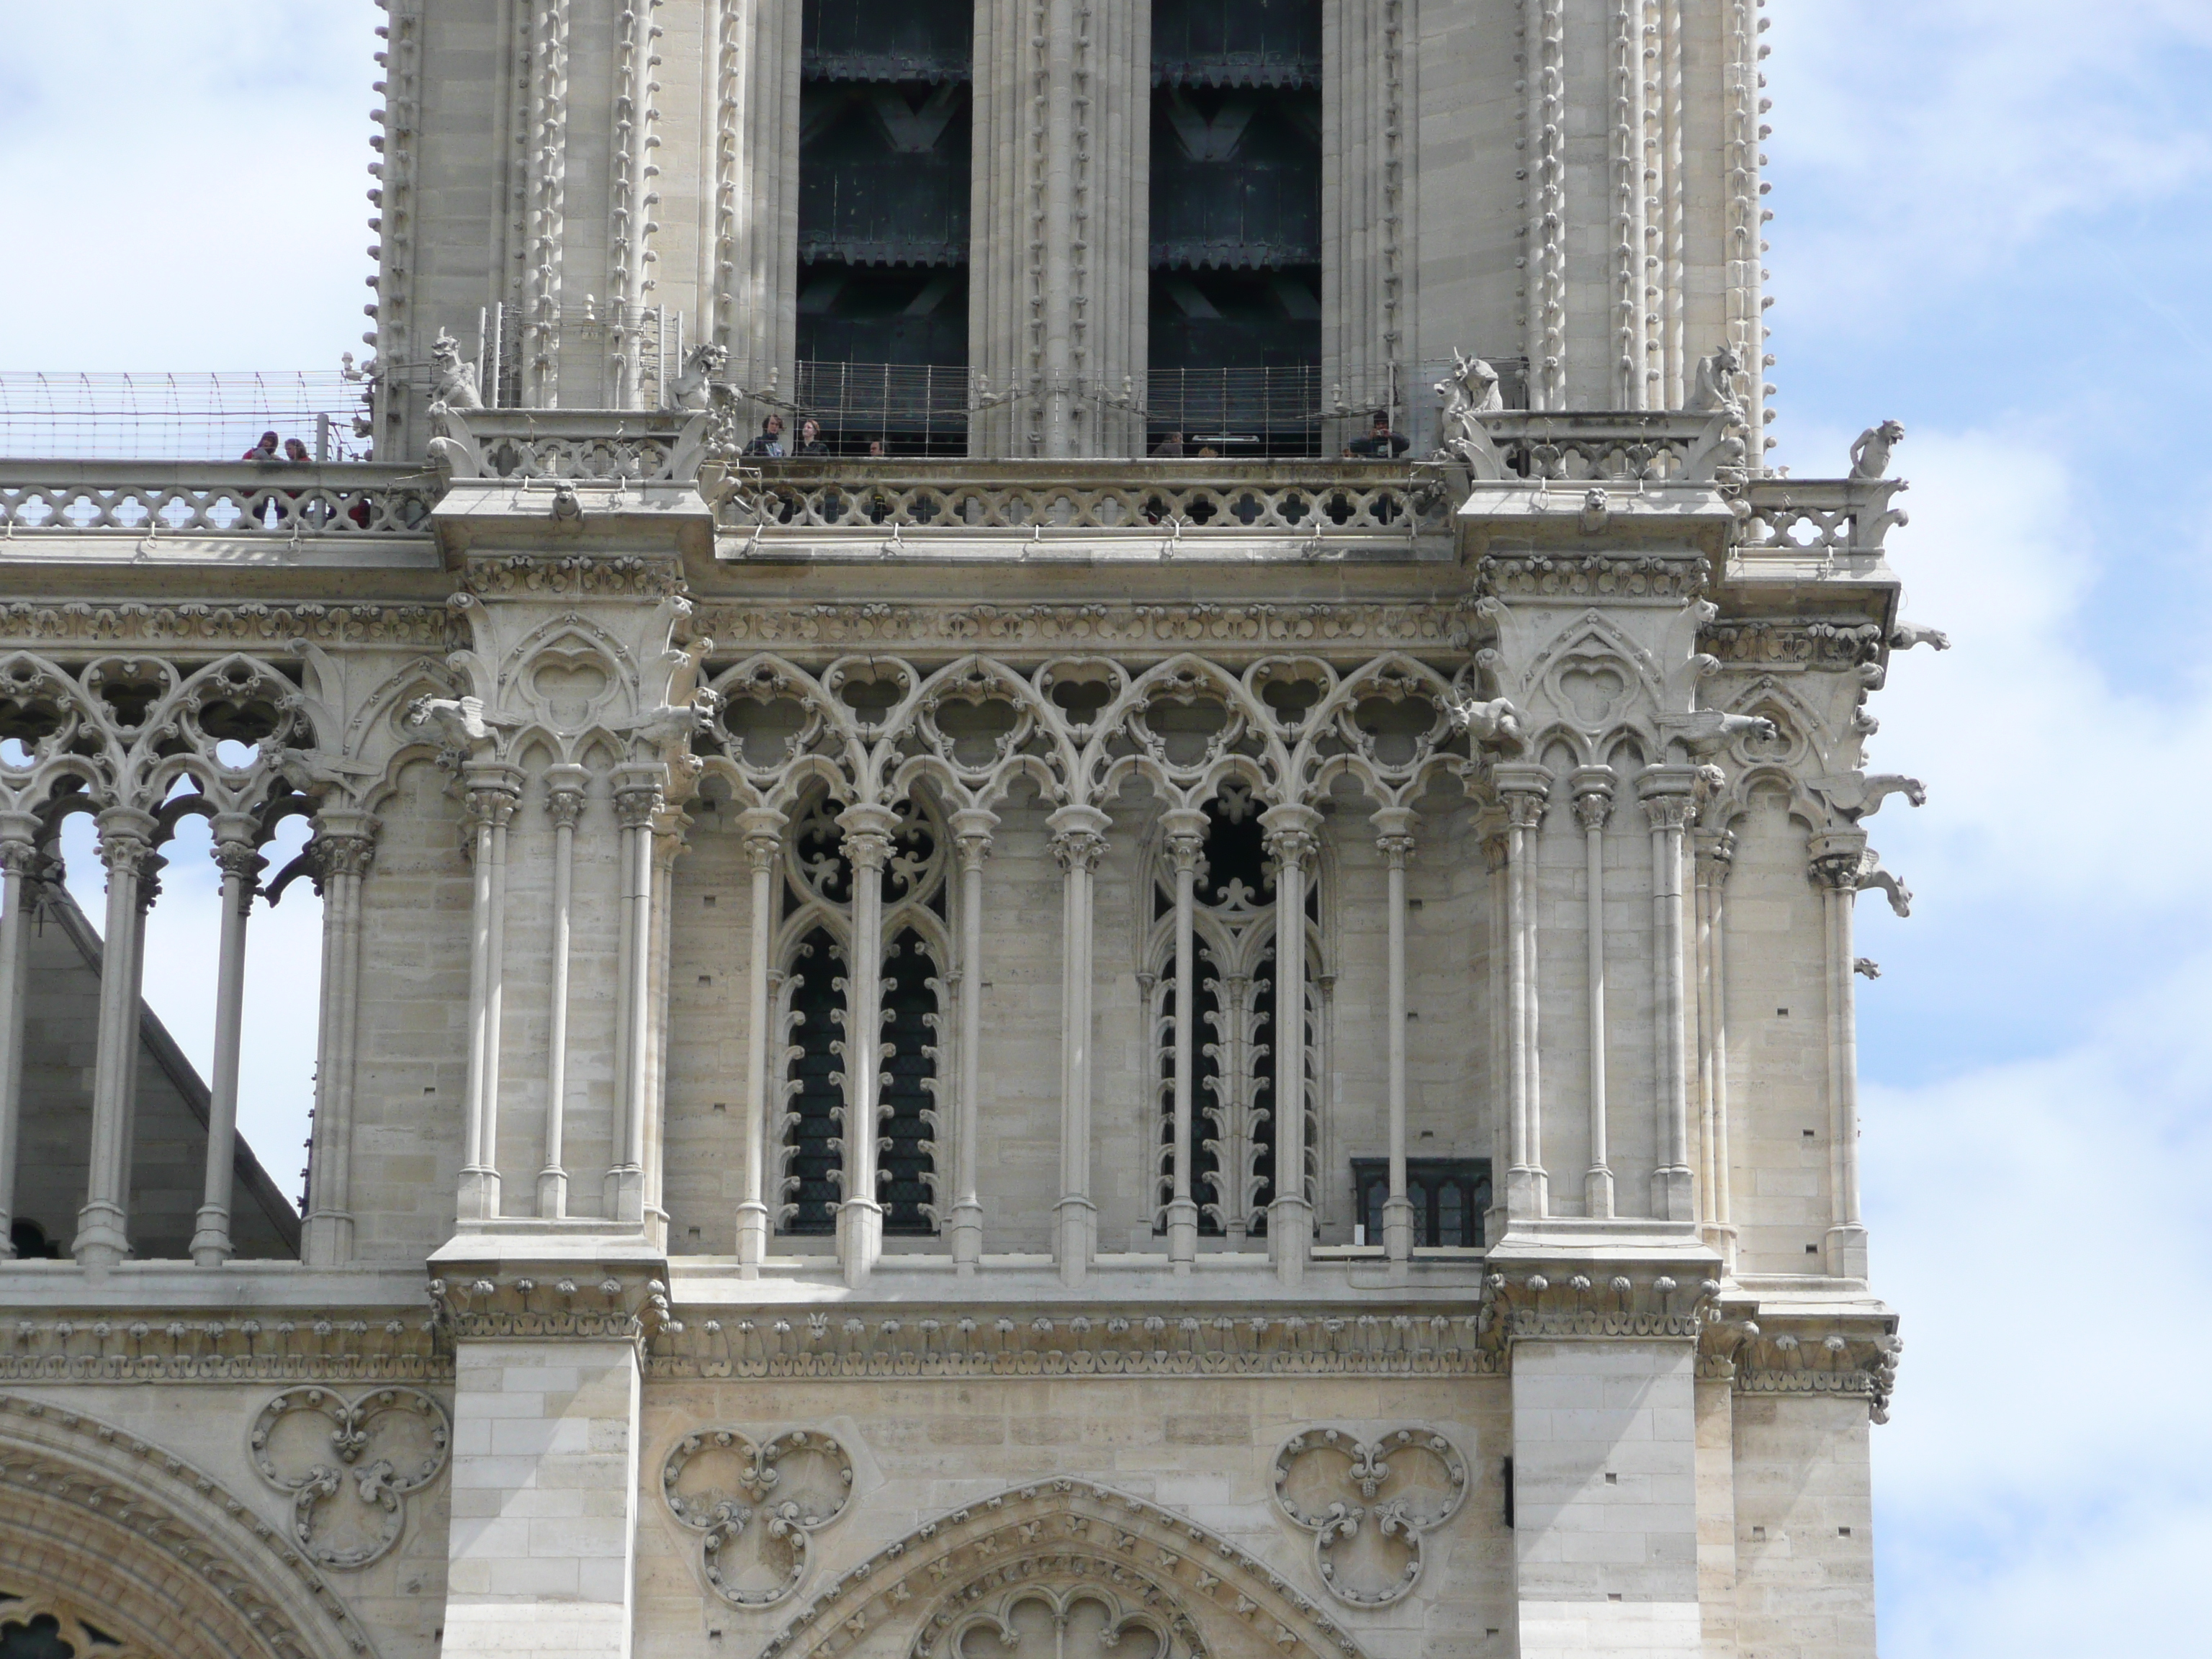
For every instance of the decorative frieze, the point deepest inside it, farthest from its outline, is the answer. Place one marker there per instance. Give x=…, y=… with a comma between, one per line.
x=961, y=1344
x=1223, y=629
x=156, y=1347
x=1592, y=575
x=594, y=1305
x=1567, y=1301
x=1834, y=644
x=627, y=576
x=184, y=624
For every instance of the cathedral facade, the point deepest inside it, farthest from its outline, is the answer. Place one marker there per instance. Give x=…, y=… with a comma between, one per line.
x=1087, y=828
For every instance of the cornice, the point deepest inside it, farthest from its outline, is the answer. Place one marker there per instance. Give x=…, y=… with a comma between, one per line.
x=709, y=1343
x=1439, y=625
x=169, y=1347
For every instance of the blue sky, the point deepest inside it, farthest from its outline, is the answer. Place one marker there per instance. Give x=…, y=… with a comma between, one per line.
x=1993, y=222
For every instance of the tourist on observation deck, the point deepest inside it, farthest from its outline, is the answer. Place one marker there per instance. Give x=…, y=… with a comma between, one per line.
x=768, y=446
x=1380, y=444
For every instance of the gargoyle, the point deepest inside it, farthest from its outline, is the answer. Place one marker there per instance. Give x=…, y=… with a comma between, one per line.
x=454, y=452
x=463, y=719
x=1715, y=386
x=1900, y=896
x=1867, y=968
x=1705, y=730
x=1495, y=721
x=1470, y=390
x=1905, y=636
x=702, y=365
x=453, y=382
x=1870, y=454
x=1856, y=795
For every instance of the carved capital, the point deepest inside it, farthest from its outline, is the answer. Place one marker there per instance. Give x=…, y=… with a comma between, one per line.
x=1839, y=860
x=19, y=856
x=343, y=854
x=1292, y=835
x=638, y=805
x=1394, y=835
x=761, y=852
x=238, y=859
x=126, y=842
x=1668, y=795
x=1079, y=849
x=1592, y=787
x=564, y=795
x=971, y=832
x=1715, y=850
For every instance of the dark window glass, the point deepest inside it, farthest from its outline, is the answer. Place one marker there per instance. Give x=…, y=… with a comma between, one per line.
x=1448, y=1196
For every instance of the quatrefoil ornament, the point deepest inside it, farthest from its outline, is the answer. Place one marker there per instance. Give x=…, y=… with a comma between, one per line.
x=349, y=1466
x=1369, y=1505
x=757, y=1504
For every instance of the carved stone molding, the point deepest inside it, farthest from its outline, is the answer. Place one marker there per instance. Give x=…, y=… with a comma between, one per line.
x=1368, y=1505
x=1838, y=644
x=1224, y=628
x=41, y=1615
x=595, y=1304
x=957, y=1343
x=227, y=1572
x=1804, y=1357
x=756, y=1504
x=1071, y=1529
x=625, y=576
x=1569, y=1301
x=387, y=1443
x=155, y=1348
x=1074, y=1601
x=1592, y=575
x=220, y=626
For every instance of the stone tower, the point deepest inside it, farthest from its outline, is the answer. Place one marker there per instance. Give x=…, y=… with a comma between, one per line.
x=1087, y=830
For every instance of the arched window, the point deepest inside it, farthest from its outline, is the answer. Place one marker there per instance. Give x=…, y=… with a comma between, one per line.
x=1234, y=1034
x=820, y=1050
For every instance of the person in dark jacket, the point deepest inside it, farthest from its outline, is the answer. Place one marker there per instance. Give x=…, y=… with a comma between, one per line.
x=1382, y=444
x=769, y=446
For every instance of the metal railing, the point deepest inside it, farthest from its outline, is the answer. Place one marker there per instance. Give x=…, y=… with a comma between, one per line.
x=176, y=416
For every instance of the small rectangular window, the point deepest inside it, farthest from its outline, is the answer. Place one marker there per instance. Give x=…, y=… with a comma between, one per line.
x=1448, y=1196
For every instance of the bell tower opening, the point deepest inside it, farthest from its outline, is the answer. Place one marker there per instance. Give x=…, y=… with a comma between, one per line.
x=885, y=136
x=1236, y=226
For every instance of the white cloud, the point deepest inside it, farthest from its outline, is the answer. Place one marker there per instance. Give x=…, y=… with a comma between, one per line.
x=1934, y=141
x=2038, y=1217
x=192, y=179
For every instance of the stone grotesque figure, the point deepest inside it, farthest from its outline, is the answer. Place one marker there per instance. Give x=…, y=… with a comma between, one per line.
x=1870, y=454
x=1714, y=389
x=1470, y=390
x=453, y=382
x=702, y=365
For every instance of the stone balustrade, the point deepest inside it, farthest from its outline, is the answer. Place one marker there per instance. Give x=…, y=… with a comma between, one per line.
x=148, y=499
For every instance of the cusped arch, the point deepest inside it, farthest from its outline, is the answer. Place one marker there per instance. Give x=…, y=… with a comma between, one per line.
x=896, y=1601
x=153, y=1548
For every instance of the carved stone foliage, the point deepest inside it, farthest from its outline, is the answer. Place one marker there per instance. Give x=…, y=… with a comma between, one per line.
x=1805, y=1357
x=1198, y=1591
x=155, y=1348
x=622, y=1305
x=954, y=1342
x=1075, y=1622
x=1014, y=628
x=84, y=621
x=757, y=1504
x=348, y=1466
x=1563, y=1300
x=1368, y=1504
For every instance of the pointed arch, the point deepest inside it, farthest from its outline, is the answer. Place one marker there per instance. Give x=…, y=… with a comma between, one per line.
x=1066, y=1532
x=154, y=1549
